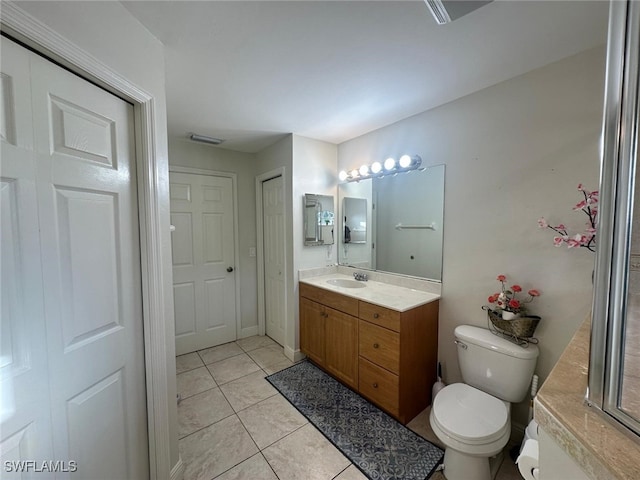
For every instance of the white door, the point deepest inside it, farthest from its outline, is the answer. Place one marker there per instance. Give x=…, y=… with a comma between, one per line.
x=72, y=340
x=273, y=242
x=203, y=260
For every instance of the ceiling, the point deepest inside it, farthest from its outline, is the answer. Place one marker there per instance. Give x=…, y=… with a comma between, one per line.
x=250, y=72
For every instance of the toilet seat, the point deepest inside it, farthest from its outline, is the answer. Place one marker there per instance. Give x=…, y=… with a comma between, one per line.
x=469, y=415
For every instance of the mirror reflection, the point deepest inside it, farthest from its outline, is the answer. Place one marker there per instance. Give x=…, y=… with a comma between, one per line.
x=355, y=220
x=403, y=221
x=319, y=213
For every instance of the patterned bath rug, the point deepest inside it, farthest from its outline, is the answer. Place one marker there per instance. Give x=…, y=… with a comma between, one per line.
x=381, y=447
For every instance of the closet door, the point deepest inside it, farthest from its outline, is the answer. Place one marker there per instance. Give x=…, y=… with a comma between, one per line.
x=25, y=418
x=77, y=215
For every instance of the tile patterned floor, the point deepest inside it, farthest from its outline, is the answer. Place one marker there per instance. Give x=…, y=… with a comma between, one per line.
x=234, y=425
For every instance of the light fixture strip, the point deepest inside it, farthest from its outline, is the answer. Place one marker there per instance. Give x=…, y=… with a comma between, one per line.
x=390, y=166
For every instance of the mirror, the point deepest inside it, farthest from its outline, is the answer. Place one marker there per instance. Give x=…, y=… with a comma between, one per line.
x=355, y=220
x=403, y=223
x=318, y=219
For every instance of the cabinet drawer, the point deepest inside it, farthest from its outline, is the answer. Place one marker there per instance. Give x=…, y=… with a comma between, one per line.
x=380, y=346
x=380, y=316
x=334, y=300
x=379, y=386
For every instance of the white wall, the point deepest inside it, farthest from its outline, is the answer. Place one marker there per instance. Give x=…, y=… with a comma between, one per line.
x=310, y=166
x=279, y=156
x=315, y=170
x=315, y=167
x=513, y=152
x=105, y=30
x=185, y=153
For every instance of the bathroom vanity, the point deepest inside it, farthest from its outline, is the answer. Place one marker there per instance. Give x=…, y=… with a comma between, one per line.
x=381, y=340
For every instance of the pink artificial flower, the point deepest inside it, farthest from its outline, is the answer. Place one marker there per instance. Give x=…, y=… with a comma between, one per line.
x=561, y=227
x=492, y=298
x=591, y=229
x=501, y=278
x=580, y=205
x=542, y=223
x=572, y=242
x=516, y=288
x=534, y=293
x=513, y=303
x=580, y=187
x=557, y=241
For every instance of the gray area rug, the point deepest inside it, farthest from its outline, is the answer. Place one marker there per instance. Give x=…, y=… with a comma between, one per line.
x=381, y=447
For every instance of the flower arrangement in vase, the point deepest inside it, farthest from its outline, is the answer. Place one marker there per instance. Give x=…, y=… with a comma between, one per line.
x=506, y=302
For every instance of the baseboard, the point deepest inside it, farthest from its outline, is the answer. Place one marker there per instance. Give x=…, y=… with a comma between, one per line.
x=177, y=472
x=249, y=332
x=293, y=355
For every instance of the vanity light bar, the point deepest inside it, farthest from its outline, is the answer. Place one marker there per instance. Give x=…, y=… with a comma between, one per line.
x=390, y=166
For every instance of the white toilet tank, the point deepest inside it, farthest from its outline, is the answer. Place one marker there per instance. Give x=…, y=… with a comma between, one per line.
x=494, y=364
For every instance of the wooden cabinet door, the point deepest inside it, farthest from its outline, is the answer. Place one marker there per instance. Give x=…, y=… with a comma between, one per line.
x=341, y=334
x=312, y=330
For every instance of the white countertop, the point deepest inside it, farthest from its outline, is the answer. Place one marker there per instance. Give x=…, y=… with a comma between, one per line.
x=382, y=294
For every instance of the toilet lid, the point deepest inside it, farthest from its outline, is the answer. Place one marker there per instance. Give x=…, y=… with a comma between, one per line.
x=470, y=415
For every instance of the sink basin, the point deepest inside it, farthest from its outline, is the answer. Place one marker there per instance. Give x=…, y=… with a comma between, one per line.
x=345, y=283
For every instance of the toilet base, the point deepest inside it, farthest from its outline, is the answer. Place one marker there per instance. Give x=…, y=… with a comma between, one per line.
x=460, y=466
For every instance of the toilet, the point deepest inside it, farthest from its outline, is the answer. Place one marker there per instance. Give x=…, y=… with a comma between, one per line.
x=473, y=419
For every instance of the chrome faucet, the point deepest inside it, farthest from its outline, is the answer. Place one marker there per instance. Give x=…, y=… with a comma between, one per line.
x=362, y=277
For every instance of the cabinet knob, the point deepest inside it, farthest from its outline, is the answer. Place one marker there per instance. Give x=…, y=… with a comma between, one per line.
x=375, y=385
x=375, y=345
x=375, y=315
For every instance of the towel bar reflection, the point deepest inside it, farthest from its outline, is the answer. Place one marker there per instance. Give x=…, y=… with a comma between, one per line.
x=431, y=226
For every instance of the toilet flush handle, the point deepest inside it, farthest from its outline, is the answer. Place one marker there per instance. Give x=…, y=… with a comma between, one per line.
x=460, y=344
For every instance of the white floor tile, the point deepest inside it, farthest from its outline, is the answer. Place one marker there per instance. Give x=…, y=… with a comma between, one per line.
x=232, y=368
x=216, y=449
x=194, y=381
x=305, y=454
x=202, y=410
x=248, y=390
x=254, y=468
x=188, y=362
x=270, y=420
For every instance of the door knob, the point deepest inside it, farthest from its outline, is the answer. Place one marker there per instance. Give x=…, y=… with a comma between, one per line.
x=375, y=345
x=229, y=269
x=375, y=385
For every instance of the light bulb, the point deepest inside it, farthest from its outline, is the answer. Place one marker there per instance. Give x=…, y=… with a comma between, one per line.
x=342, y=176
x=354, y=173
x=389, y=164
x=405, y=161
x=364, y=169
x=376, y=167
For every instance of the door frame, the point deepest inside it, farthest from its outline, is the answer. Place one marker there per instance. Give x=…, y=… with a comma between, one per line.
x=41, y=38
x=236, y=253
x=260, y=179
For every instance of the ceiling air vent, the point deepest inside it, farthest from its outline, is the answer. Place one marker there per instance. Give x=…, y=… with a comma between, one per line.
x=446, y=11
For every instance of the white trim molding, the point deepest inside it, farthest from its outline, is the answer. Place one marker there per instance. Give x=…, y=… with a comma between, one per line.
x=43, y=39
